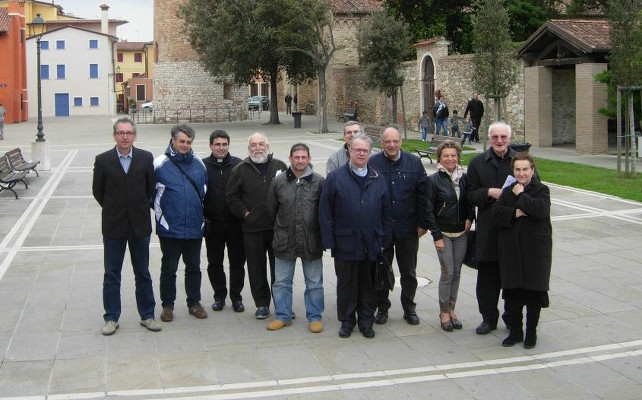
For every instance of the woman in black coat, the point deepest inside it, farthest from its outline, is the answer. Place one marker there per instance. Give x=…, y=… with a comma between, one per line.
x=523, y=217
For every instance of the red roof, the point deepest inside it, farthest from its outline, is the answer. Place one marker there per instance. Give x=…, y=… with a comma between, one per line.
x=356, y=6
x=132, y=46
x=589, y=34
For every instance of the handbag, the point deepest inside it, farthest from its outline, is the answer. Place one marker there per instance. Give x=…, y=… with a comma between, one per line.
x=469, y=259
x=383, y=277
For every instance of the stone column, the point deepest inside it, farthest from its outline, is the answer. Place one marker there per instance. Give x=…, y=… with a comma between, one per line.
x=591, y=134
x=538, y=106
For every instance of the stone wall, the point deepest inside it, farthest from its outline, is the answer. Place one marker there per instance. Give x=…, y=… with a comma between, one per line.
x=185, y=88
x=170, y=42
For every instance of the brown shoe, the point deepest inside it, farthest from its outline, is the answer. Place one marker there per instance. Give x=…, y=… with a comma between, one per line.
x=168, y=314
x=316, y=326
x=198, y=311
x=277, y=324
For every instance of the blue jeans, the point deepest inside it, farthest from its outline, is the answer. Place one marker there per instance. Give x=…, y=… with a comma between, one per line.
x=172, y=250
x=424, y=133
x=441, y=123
x=282, y=288
x=114, y=254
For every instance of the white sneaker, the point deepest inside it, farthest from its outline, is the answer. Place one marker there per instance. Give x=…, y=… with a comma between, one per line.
x=109, y=328
x=151, y=324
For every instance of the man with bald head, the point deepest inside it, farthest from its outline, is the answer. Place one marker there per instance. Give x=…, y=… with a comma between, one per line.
x=406, y=179
x=245, y=195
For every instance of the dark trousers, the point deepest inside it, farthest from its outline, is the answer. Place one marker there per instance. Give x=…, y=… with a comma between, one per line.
x=257, y=244
x=407, y=263
x=488, y=287
x=355, y=293
x=173, y=249
x=230, y=236
x=475, y=133
x=114, y=254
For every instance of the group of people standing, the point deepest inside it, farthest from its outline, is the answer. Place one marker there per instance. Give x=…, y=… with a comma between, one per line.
x=441, y=117
x=369, y=206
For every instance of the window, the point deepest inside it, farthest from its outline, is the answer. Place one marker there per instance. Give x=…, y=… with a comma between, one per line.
x=77, y=101
x=93, y=101
x=93, y=43
x=119, y=77
x=138, y=57
x=44, y=72
x=141, y=92
x=93, y=71
x=60, y=44
x=44, y=45
x=135, y=74
x=60, y=71
x=119, y=57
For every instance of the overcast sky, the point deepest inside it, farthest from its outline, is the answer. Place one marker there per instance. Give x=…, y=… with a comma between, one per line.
x=139, y=13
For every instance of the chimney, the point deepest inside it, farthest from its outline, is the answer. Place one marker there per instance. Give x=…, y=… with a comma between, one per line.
x=104, y=20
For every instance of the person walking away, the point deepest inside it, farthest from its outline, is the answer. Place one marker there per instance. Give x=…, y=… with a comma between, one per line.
x=424, y=125
x=476, y=109
x=288, y=104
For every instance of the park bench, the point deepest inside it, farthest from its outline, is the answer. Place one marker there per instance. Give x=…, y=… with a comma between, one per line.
x=432, y=149
x=9, y=178
x=349, y=114
x=18, y=163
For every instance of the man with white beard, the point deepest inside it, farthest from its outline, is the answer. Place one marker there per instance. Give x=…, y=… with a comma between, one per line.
x=245, y=195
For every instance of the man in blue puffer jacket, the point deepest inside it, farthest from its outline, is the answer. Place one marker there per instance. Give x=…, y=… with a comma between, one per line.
x=181, y=183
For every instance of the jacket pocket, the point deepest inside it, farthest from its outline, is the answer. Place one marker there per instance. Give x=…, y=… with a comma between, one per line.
x=345, y=240
x=280, y=240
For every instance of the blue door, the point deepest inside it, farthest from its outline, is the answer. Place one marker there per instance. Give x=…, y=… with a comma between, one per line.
x=62, y=104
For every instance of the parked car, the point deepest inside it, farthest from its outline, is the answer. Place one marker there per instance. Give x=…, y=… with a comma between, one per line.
x=256, y=102
x=147, y=106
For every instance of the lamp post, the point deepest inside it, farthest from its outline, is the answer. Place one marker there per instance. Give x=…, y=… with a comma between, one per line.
x=39, y=148
x=37, y=28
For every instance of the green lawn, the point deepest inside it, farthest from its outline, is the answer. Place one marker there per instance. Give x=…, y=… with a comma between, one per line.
x=602, y=180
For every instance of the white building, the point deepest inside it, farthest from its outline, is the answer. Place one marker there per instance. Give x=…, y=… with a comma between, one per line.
x=76, y=72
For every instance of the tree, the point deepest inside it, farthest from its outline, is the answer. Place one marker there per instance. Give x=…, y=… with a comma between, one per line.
x=382, y=43
x=525, y=18
x=578, y=8
x=244, y=39
x=625, y=31
x=494, y=68
x=311, y=35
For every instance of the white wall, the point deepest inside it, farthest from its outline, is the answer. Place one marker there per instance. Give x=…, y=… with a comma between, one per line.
x=77, y=56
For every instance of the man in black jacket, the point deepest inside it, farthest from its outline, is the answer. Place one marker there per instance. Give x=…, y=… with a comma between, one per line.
x=123, y=185
x=487, y=173
x=245, y=196
x=476, y=109
x=222, y=228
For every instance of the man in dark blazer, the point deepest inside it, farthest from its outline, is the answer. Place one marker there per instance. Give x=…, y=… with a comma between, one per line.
x=123, y=185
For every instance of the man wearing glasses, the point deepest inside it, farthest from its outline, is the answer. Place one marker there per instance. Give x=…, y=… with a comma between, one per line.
x=340, y=157
x=487, y=173
x=123, y=185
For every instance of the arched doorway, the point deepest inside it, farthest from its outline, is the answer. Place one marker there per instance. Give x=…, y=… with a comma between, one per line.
x=428, y=84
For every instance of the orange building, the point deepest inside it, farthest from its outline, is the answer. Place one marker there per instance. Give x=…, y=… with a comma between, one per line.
x=13, y=79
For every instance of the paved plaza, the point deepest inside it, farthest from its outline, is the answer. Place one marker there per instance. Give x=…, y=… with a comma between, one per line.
x=589, y=340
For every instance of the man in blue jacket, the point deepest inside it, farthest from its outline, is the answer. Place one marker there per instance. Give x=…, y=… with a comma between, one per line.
x=355, y=222
x=181, y=183
x=406, y=179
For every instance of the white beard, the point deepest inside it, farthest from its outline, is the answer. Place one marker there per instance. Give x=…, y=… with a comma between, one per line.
x=259, y=158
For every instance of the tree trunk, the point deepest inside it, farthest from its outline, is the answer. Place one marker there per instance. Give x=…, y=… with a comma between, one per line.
x=274, y=101
x=394, y=106
x=323, y=100
x=496, y=104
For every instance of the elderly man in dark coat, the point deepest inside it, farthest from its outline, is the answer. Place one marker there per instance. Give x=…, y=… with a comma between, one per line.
x=523, y=215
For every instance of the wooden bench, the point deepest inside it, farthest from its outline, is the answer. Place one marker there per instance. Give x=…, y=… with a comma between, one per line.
x=432, y=149
x=349, y=114
x=9, y=178
x=18, y=163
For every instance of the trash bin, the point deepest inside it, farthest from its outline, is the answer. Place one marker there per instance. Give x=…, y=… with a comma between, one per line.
x=520, y=146
x=297, y=119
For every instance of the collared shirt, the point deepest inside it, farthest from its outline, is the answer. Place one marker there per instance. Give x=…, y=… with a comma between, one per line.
x=125, y=160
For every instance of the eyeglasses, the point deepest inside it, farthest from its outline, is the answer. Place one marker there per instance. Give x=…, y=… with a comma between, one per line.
x=125, y=133
x=360, y=151
x=498, y=137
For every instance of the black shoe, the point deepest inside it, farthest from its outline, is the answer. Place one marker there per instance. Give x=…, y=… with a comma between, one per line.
x=293, y=315
x=345, y=332
x=456, y=323
x=484, y=328
x=368, y=333
x=218, y=305
x=262, y=313
x=382, y=317
x=513, y=337
x=530, y=340
x=447, y=326
x=411, y=317
x=237, y=305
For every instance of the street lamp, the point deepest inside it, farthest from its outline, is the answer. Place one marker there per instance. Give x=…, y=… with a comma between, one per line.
x=37, y=29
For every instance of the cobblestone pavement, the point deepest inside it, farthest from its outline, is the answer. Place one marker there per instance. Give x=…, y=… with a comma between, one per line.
x=590, y=341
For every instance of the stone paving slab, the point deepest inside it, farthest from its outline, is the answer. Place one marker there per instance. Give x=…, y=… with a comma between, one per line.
x=51, y=277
